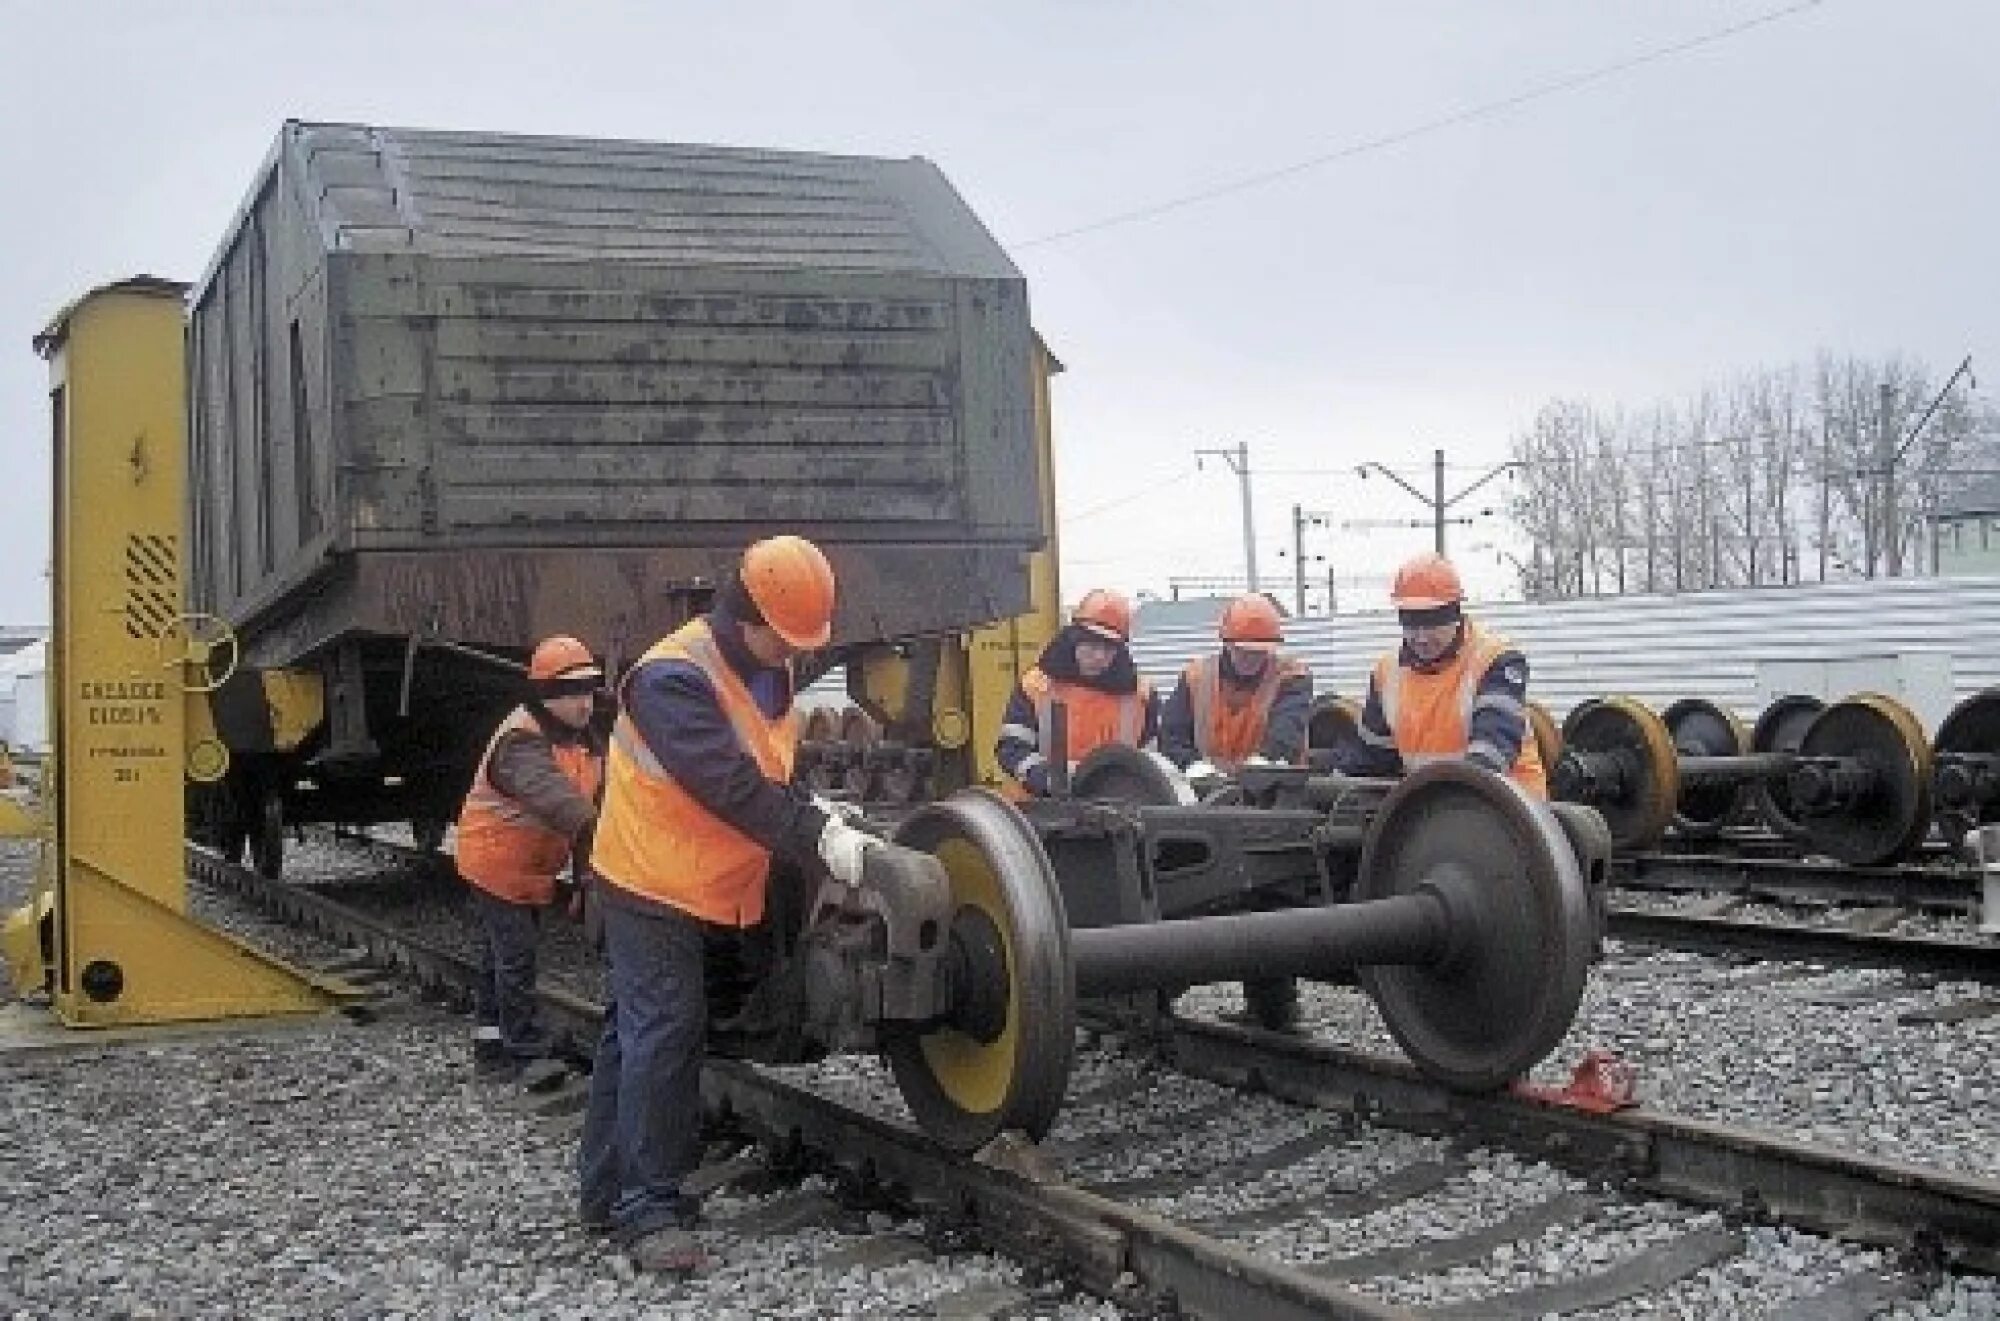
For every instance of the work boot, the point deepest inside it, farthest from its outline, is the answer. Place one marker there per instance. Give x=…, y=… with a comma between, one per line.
x=596, y=1220
x=670, y=1251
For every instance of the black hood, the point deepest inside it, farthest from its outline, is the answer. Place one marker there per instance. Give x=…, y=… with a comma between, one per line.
x=1059, y=663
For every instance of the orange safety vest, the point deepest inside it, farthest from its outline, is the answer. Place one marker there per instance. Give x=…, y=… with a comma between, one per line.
x=653, y=838
x=504, y=850
x=1229, y=720
x=1095, y=717
x=1430, y=712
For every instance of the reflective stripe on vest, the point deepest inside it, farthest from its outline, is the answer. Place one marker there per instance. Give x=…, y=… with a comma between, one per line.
x=1229, y=720
x=1430, y=712
x=653, y=838
x=503, y=849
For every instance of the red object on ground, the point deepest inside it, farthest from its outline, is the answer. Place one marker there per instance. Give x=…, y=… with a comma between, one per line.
x=1601, y=1084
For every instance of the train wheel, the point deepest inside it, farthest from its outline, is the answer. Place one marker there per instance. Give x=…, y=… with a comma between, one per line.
x=1005, y=1062
x=1120, y=773
x=1781, y=728
x=1547, y=734
x=1502, y=999
x=1701, y=728
x=1889, y=821
x=1332, y=723
x=1963, y=793
x=1641, y=806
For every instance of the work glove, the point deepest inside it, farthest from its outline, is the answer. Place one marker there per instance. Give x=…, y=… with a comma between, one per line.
x=834, y=809
x=1202, y=770
x=1260, y=760
x=844, y=850
x=1036, y=781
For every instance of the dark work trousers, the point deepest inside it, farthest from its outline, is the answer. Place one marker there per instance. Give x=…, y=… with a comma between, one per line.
x=642, y=1131
x=507, y=935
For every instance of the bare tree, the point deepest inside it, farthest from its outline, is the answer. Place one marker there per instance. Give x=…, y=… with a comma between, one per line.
x=1740, y=482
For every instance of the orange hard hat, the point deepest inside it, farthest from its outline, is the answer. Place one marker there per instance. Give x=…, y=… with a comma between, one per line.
x=791, y=584
x=1252, y=621
x=563, y=657
x=1105, y=613
x=1426, y=582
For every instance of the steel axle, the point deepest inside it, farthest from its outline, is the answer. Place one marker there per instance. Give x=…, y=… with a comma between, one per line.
x=1416, y=929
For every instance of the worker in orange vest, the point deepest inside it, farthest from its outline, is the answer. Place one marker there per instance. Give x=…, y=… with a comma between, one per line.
x=1087, y=667
x=1451, y=691
x=698, y=802
x=1247, y=702
x=529, y=811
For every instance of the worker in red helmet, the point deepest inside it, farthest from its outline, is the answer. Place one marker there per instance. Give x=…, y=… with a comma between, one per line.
x=699, y=804
x=1088, y=668
x=528, y=814
x=1246, y=702
x=1451, y=691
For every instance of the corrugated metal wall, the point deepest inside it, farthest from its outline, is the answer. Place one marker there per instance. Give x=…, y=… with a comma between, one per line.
x=1661, y=648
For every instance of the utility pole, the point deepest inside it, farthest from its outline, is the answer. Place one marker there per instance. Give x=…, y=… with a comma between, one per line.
x=1897, y=452
x=1437, y=502
x=1238, y=460
x=1885, y=446
x=1303, y=518
x=1299, y=561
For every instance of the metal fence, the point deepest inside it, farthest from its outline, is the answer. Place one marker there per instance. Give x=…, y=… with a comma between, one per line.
x=1661, y=648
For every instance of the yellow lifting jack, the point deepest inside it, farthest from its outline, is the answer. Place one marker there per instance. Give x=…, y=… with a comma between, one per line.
x=107, y=932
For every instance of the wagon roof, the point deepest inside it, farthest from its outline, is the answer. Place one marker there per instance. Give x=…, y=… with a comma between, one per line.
x=451, y=194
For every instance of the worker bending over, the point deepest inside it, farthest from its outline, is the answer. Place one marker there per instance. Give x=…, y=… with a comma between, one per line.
x=529, y=811
x=698, y=800
x=1088, y=668
x=1451, y=691
x=1247, y=702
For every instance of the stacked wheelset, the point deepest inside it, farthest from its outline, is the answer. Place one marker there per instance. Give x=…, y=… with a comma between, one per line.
x=1855, y=780
x=842, y=752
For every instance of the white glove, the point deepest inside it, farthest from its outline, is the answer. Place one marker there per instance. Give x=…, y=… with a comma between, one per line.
x=1260, y=761
x=848, y=812
x=843, y=848
x=1201, y=770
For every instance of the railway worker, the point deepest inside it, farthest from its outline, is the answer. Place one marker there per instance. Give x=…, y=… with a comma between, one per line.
x=698, y=803
x=532, y=801
x=1245, y=703
x=1452, y=690
x=1088, y=667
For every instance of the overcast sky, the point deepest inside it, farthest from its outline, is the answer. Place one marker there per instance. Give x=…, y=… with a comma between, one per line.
x=1826, y=179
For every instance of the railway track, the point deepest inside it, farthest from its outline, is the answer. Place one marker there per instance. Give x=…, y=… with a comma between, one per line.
x=1944, y=886
x=1151, y=1192
x=1714, y=933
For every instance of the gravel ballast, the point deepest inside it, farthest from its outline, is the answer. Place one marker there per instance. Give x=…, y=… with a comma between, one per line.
x=350, y=1170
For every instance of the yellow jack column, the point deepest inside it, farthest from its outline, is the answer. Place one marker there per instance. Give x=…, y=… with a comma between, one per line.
x=108, y=930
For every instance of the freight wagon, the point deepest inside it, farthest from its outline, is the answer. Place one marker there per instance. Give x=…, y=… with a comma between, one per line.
x=452, y=392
